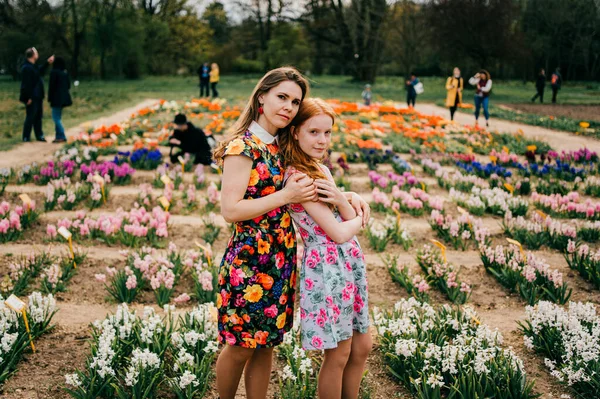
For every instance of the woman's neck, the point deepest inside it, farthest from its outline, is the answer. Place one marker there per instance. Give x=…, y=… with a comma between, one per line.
x=268, y=126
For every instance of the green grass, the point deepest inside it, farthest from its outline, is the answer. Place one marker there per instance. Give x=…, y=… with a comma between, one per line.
x=94, y=98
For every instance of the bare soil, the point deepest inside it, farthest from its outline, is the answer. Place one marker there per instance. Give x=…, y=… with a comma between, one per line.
x=41, y=374
x=577, y=112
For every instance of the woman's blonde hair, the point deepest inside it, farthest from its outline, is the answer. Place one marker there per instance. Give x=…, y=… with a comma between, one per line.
x=250, y=112
x=214, y=66
x=289, y=147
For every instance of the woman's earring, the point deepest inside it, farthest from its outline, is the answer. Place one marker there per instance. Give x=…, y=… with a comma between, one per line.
x=261, y=110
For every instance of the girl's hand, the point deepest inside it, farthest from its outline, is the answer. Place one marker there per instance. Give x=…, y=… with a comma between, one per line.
x=361, y=207
x=299, y=188
x=329, y=193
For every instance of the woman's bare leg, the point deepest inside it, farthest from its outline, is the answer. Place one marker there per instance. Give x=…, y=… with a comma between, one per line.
x=230, y=365
x=258, y=373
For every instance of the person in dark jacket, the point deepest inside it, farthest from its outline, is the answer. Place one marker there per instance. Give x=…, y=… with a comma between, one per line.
x=32, y=94
x=556, y=83
x=59, y=96
x=540, y=85
x=204, y=76
x=191, y=140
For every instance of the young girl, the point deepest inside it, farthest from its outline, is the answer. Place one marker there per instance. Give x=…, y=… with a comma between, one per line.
x=257, y=273
x=333, y=281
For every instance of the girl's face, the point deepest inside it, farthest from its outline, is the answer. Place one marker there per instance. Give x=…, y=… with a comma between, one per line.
x=280, y=104
x=314, y=135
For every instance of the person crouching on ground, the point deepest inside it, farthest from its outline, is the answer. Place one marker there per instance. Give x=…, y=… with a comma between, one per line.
x=190, y=140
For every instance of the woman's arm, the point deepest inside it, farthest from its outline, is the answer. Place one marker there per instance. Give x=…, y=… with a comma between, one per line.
x=340, y=232
x=473, y=81
x=449, y=85
x=52, y=85
x=236, y=174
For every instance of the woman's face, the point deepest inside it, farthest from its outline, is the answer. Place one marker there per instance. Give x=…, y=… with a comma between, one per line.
x=314, y=135
x=456, y=72
x=281, y=103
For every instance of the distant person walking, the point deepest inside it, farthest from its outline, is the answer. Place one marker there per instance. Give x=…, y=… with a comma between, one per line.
x=367, y=94
x=411, y=92
x=556, y=83
x=483, y=85
x=59, y=96
x=540, y=85
x=32, y=94
x=204, y=76
x=454, y=86
x=214, y=79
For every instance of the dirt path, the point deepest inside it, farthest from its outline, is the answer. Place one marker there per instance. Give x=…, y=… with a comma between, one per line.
x=557, y=139
x=34, y=151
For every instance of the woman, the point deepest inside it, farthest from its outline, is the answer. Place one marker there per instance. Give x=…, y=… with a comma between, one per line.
x=454, y=85
x=411, y=93
x=483, y=85
x=214, y=79
x=59, y=96
x=257, y=274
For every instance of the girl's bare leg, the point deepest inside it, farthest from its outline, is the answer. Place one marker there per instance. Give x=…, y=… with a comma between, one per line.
x=332, y=370
x=353, y=372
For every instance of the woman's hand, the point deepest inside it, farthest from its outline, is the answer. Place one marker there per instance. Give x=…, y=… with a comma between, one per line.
x=299, y=188
x=361, y=207
x=329, y=193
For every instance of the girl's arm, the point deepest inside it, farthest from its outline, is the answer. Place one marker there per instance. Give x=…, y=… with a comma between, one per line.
x=333, y=195
x=487, y=87
x=236, y=175
x=473, y=81
x=340, y=232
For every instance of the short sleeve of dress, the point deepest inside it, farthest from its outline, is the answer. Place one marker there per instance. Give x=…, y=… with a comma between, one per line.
x=239, y=146
x=327, y=172
x=289, y=171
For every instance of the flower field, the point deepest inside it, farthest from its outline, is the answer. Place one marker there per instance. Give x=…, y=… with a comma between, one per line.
x=483, y=261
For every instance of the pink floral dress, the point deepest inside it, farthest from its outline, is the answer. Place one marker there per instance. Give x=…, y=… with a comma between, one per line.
x=333, y=284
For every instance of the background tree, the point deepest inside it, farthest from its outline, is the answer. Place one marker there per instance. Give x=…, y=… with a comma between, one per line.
x=360, y=38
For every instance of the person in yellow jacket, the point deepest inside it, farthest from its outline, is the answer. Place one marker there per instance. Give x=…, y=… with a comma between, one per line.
x=214, y=79
x=454, y=85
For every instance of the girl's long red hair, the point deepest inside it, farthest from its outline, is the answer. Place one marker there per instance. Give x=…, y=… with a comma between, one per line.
x=292, y=154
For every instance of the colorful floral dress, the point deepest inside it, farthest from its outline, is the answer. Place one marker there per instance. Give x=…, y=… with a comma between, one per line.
x=257, y=273
x=333, y=284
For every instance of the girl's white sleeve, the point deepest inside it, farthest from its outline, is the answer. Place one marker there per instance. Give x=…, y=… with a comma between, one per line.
x=487, y=87
x=473, y=81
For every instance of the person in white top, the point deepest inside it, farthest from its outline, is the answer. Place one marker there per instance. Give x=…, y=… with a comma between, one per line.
x=483, y=86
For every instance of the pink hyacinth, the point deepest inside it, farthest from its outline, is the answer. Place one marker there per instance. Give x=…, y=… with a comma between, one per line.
x=213, y=193
x=51, y=230
x=100, y=277
x=131, y=282
x=183, y=298
x=4, y=226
